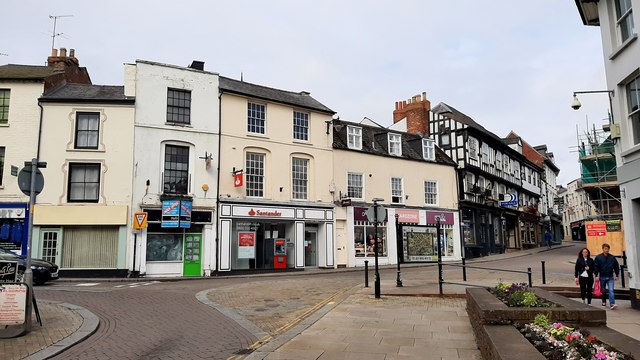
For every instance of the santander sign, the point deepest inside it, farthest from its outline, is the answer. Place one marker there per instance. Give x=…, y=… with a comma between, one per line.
x=259, y=212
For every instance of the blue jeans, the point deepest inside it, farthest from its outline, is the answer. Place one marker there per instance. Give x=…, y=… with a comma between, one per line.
x=608, y=282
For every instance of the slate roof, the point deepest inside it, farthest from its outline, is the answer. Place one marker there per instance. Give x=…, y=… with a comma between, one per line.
x=300, y=99
x=27, y=72
x=374, y=141
x=452, y=113
x=87, y=93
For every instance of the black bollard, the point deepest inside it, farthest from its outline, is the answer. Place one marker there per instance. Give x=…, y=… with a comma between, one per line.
x=544, y=275
x=529, y=273
x=366, y=273
x=622, y=274
x=464, y=271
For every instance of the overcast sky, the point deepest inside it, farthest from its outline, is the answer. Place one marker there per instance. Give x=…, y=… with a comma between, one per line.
x=509, y=64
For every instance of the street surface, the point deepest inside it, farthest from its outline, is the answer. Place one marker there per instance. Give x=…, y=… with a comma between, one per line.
x=165, y=320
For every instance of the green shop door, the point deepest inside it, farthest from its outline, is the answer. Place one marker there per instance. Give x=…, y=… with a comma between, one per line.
x=192, y=255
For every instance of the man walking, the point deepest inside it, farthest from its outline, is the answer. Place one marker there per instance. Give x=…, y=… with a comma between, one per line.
x=606, y=265
x=547, y=238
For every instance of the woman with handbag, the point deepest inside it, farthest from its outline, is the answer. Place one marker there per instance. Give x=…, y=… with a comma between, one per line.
x=584, y=274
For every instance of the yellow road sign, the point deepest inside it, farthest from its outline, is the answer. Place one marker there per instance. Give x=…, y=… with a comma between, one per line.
x=140, y=220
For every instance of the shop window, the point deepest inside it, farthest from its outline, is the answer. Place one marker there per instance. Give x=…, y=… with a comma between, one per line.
x=255, y=174
x=164, y=247
x=364, y=239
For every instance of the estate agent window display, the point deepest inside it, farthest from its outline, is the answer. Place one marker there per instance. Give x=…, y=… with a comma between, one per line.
x=363, y=235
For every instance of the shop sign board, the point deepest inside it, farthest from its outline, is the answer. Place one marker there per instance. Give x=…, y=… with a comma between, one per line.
x=263, y=212
x=510, y=200
x=246, y=245
x=408, y=216
x=446, y=217
x=360, y=213
x=12, y=213
x=8, y=271
x=13, y=304
x=614, y=225
x=597, y=229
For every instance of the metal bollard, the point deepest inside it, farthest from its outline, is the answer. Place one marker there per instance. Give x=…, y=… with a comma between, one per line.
x=529, y=273
x=464, y=271
x=544, y=274
x=366, y=273
x=622, y=274
x=624, y=258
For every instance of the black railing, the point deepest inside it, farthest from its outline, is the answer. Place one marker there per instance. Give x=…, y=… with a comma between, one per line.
x=464, y=267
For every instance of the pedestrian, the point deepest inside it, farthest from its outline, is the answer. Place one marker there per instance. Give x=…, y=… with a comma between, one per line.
x=606, y=266
x=547, y=238
x=584, y=274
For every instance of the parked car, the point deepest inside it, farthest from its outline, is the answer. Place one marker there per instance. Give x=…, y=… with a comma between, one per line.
x=43, y=271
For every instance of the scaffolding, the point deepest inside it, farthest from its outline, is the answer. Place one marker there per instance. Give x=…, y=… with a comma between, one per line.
x=598, y=172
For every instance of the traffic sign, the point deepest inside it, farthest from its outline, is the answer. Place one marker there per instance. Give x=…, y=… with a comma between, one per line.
x=24, y=181
x=370, y=213
x=140, y=220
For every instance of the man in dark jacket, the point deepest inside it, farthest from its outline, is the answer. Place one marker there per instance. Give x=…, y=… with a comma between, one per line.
x=606, y=267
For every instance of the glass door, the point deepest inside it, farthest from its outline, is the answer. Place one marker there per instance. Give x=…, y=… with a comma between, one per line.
x=310, y=248
x=51, y=240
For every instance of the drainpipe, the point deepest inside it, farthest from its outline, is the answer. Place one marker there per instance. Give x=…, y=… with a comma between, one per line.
x=39, y=131
x=217, y=215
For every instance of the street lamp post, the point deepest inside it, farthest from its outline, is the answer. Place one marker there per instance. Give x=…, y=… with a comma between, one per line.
x=400, y=248
x=376, y=282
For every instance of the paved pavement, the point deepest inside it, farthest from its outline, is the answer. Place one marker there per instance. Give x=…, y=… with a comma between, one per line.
x=297, y=321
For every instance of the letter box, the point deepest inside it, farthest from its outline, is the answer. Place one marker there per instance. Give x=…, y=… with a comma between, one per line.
x=280, y=254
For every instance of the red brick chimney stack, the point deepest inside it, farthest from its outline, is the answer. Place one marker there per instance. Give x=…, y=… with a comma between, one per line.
x=67, y=68
x=416, y=110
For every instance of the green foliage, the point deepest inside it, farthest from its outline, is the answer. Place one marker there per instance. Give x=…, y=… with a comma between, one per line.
x=541, y=320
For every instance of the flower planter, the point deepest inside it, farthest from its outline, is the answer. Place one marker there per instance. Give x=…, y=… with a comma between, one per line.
x=492, y=322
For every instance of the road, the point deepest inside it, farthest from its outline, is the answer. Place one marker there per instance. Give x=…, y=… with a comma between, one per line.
x=165, y=320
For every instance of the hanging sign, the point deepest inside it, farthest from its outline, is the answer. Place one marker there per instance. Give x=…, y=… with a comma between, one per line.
x=238, y=179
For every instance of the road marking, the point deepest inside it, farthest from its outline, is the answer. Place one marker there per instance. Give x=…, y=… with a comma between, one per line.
x=88, y=284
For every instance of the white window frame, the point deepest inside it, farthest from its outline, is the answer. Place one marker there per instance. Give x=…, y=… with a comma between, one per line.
x=429, y=195
x=633, y=107
x=350, y=194
x=300, y=125
x=397, y=190
x=428, y=149
x=299, y=178
x=256, y=178
x=624, y=17
x=485, y=152
x=354, y=137
x=255, y=123
x=395, y=144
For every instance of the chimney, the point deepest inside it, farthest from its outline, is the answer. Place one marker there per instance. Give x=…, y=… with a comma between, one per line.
x=67, y=68
x=197, y=65
x=63, y=52
x=72, y=52
x=416, y=110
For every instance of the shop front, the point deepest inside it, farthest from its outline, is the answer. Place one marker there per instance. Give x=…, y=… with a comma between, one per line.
x=175, y=242
x=14, y=221
x=270, y=238
x=411, y=233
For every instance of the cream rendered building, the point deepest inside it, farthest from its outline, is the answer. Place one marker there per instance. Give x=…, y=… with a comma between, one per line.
x=174, y=167
x=417, y=182
x=275, y=196
x=82, y=216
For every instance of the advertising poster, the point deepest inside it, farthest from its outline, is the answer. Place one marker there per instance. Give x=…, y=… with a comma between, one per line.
x=8, y=271
x=170, y=213
x=246, y=245
x=185, y=214
x=13, y=304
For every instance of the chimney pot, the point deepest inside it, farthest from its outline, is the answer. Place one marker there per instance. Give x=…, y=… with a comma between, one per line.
x=72, y=52
x=63, y=52
x=424, y=96
x=54, y=52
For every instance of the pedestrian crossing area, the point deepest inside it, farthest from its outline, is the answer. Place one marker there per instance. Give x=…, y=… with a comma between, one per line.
x=119, y=286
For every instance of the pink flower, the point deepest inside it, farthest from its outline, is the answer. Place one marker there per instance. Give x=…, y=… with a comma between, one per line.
x=601, y=356
x=558, y=325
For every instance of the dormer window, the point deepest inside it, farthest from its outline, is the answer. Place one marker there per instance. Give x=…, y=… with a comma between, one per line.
x=428, y=150
x=395, y=144
x=354, y=137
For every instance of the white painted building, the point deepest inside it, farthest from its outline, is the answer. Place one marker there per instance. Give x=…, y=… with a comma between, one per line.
x=174, y=168
x=621, y=49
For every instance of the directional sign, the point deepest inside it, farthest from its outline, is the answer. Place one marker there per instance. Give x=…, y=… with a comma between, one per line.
x=140, y=220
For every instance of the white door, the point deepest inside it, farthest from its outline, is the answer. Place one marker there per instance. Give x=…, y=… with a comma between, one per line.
x=51, y=240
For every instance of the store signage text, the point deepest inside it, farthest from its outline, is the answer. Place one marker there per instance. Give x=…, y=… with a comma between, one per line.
x=259, y=212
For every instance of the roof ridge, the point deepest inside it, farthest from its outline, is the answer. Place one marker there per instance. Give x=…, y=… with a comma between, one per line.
x=266, y=87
